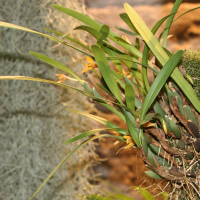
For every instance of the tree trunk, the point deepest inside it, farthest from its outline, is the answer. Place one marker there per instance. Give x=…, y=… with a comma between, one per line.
x=34, y=123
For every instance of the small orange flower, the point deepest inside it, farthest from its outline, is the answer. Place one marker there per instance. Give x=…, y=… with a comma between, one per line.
x=62, y=78
x=90, y=65
x=127, y=74
x=129, y=141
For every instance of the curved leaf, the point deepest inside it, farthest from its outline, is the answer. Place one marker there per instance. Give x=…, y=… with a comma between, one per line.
x=69, y=38
x=98, y=119
x=106, y=72
x=91, y=132
x=160, y=81
x=8, y=25
x=56, y=64
x=68, y=156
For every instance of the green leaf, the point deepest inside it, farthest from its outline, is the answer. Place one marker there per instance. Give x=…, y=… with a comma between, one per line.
x=146, y=34
x=160, y=81
x=137, y=46
x=91, y=132
x=106, y=72
x=145, y=193
x=60, y=84
x=98, y=119
x=109, y=107
x=105, y=90
x=69, y=38
x=130, y=121
x=56, y=64
x=169, y=21
x=147, y=118
x=129, y=32
x=146, y=52
x=126, y=19
x=97, y=35
x=95, y=25
x=150, y=157
x=111, y=53
x=153, y=175
x=4, y=24
x=68, y=156
x=104, y=34
x=130, y=96
x=123, y=57
x=186, y=13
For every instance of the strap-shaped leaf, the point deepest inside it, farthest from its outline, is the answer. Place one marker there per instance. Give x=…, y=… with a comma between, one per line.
x=68, y=156
x=56, y=64
x=129, y=32
x=130, y=121
x=109, y=107
x=146, y=51
x=97, y=35
x=160, y=81
x=91, y=132
x=146, y=34
x=161, y=55
x=169, y=21
x=126, y=19
x=130, y=96
x=98, y=119
x=104, y=33
x=60, y=84
x=106, y=71
x=8, y=25
x=153, y=175
x=97, y=26
x=69, y=38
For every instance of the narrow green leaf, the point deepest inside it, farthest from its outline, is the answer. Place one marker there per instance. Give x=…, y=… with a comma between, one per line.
x=105, y=90
x=68, y=156
x=146, y=34
x=98, y=119
x=97, y=35
x=129, y=32
x=91, y=132
x=109, y=107
x=150, y=157
x=153, y=175
x=56, y=64
x=97, y=26
x=112, y=53
x=160, y=81
x=69, y=38
x=106, y=72
x=147, y=118
x=104, y=33
x=169, y=21
x=60, y=84
x=126, y=19
x=138, y=103
x=8, y=25
x=130, y=96
x=186, y=13
x=130, y=121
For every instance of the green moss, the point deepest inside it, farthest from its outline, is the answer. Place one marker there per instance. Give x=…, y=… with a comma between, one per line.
x=191, y=64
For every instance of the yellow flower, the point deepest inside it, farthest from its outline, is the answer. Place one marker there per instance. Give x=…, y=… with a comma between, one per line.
x=128, y=139
x=127, y=74
x=90, y=65
x=62, y=78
